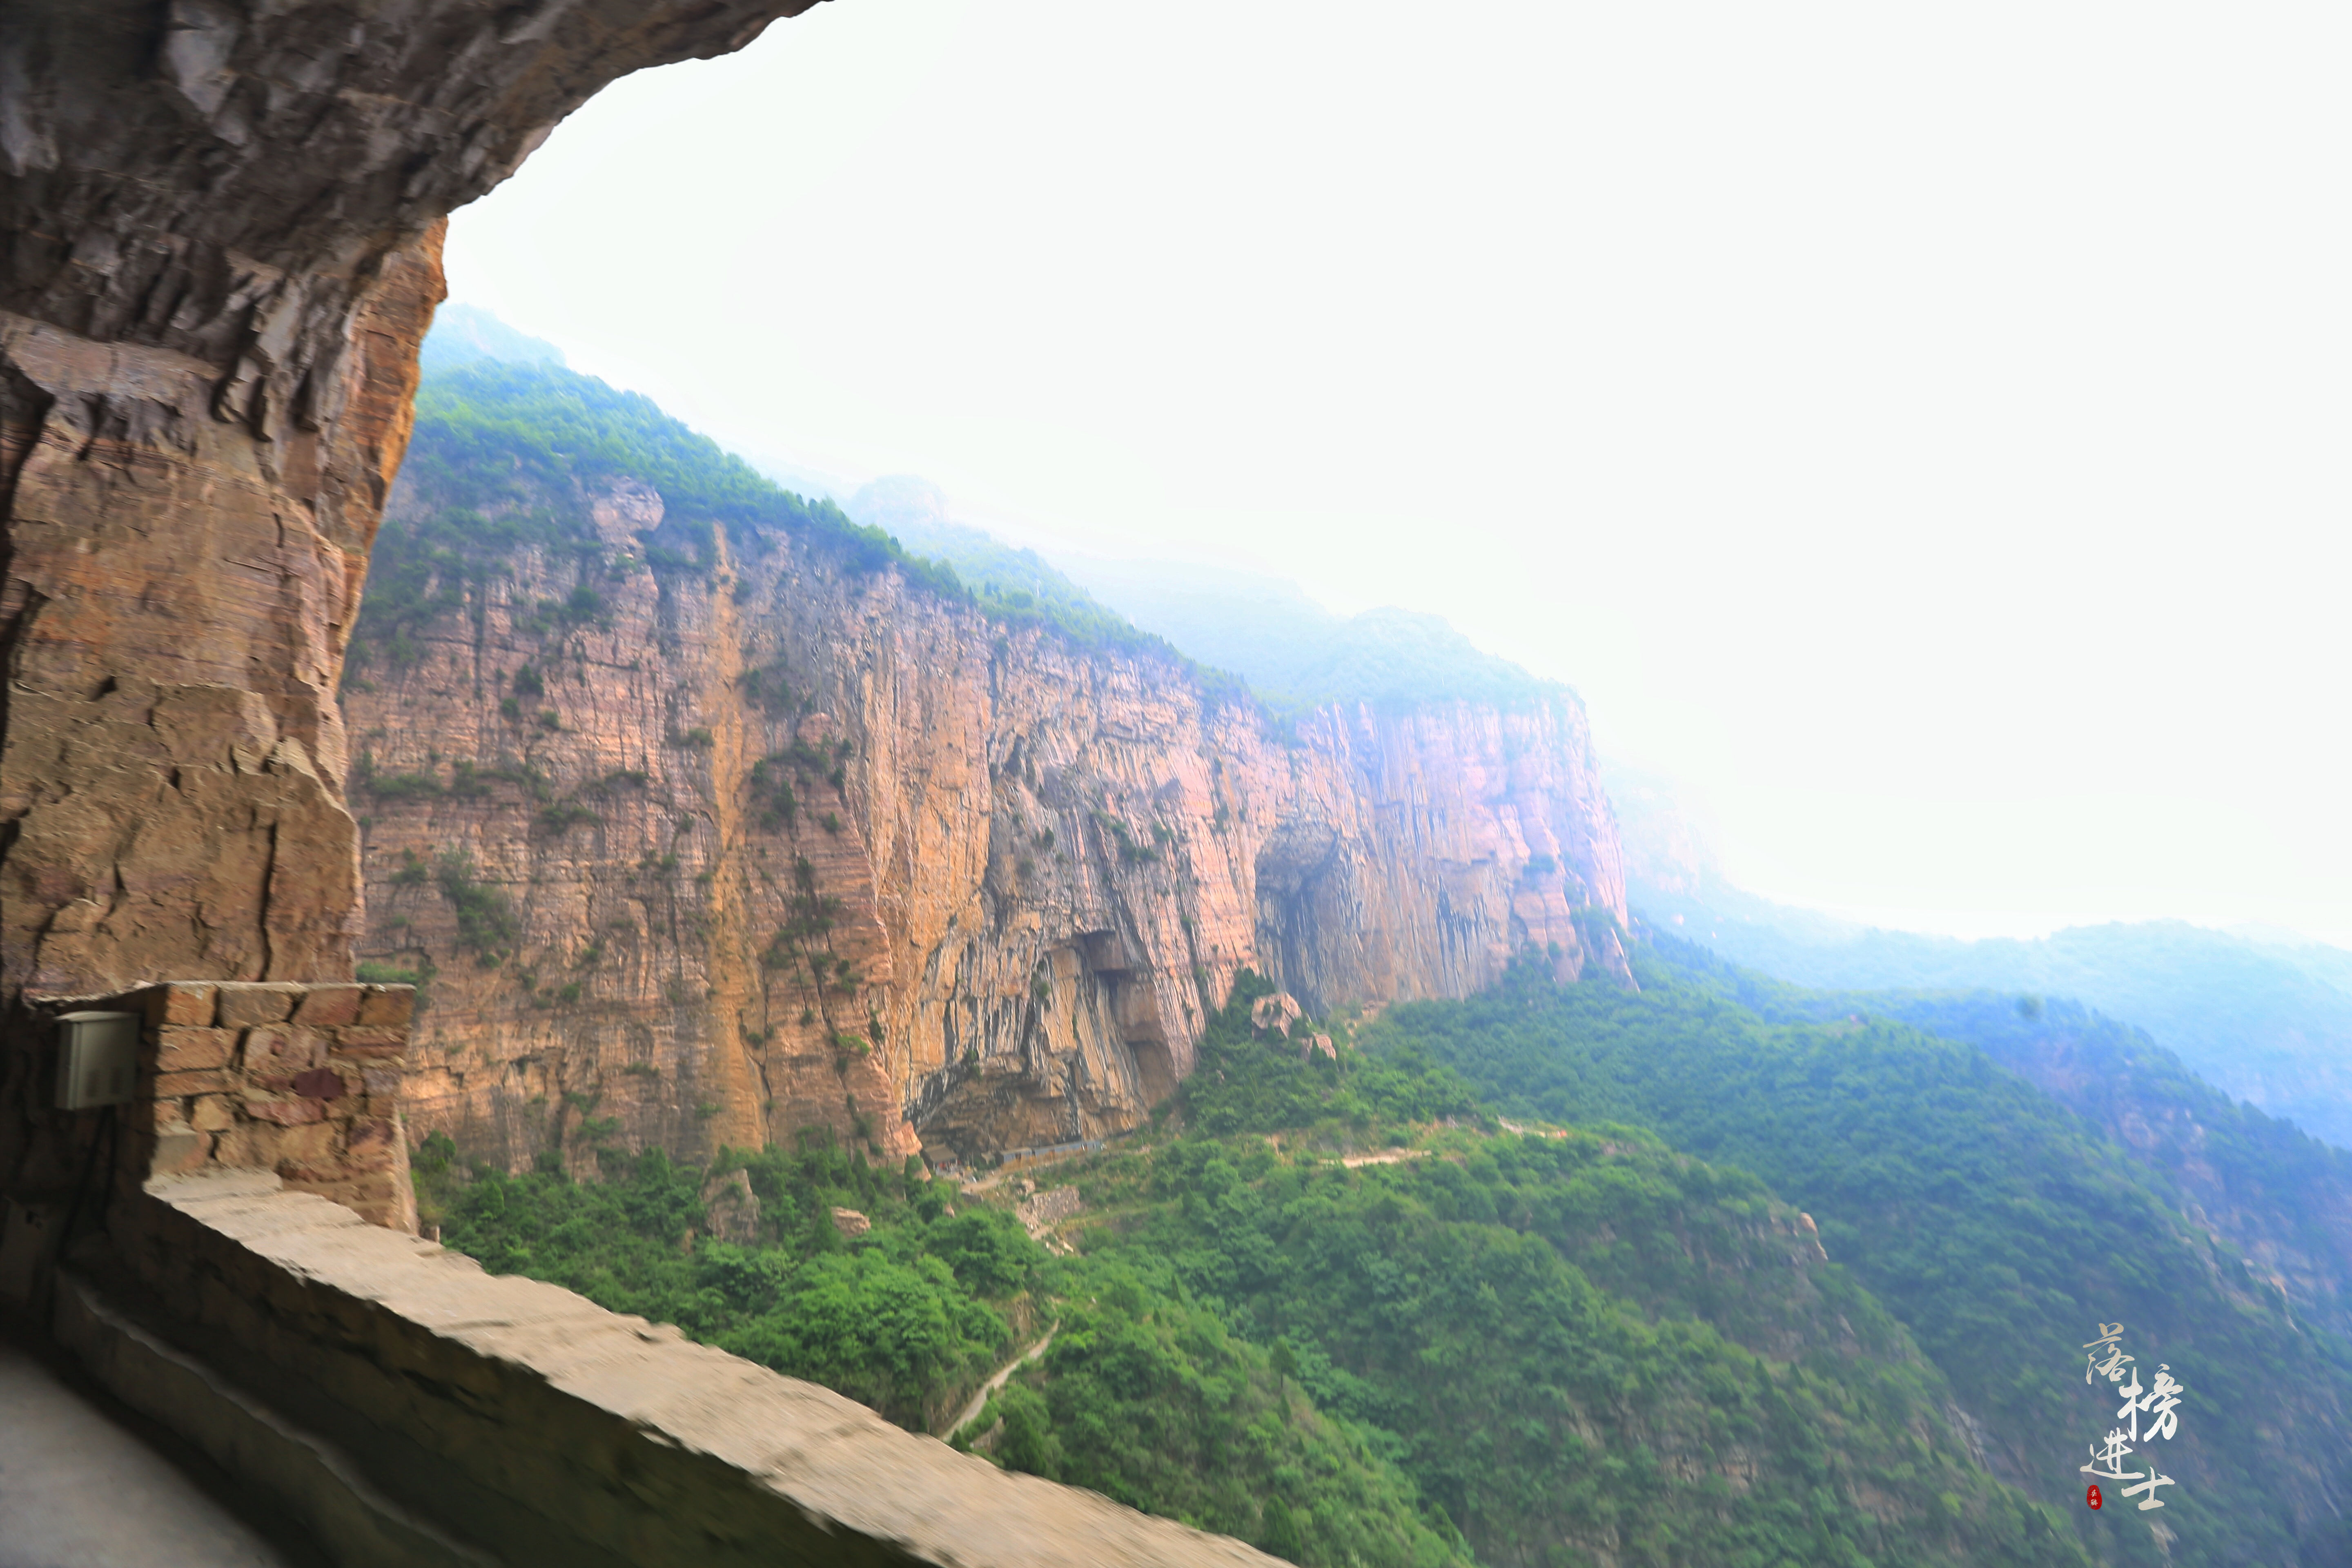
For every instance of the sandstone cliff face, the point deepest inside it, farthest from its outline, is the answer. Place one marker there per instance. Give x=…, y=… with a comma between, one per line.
x=797, y=844
x=223, y=250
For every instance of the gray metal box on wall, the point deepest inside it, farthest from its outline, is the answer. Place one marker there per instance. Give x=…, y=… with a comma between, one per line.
x=97, y=1059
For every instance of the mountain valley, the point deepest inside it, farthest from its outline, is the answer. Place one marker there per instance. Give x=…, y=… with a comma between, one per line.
x=774, y=873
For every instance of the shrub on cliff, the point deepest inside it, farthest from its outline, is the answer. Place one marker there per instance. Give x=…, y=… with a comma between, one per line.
x=376, y=972
x=369, y=779
x=488, y=926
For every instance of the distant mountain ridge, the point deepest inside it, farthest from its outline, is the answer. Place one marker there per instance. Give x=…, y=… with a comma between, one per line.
x=1295, y=651
x=463, y=334
x=2269, y=1022
x=2282, y=1197
x=1294, y=654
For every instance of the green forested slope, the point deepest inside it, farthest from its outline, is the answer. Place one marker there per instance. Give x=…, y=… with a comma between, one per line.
x=1341, y=1309
x=2267, y=1021
x=1988, y=1218
x=1455, y=1305
x=2281, y=1196
x=1574, y=1348
x=1161, y=1403
x=506, y=454
x=905, y=1322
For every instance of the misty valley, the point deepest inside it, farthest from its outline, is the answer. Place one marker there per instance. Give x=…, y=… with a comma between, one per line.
x=853, y=940
x=1052, y=786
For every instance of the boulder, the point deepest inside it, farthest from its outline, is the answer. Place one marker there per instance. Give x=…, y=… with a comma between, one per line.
x=1276, y=1012
x=730, y=1209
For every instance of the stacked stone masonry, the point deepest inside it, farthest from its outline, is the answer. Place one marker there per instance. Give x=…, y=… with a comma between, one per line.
x=301, y=1081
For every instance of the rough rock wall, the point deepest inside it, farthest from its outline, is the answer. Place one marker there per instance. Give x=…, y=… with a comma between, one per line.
x=222, y=225
x=787, y=844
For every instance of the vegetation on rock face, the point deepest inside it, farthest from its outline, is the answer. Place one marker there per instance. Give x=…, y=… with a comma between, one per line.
x=504, y=456
x=487, y=925
x=489, y=432
x=375, y=973
x=2255, y=1178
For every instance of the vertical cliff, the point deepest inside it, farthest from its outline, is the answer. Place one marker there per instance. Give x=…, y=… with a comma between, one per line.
x=223, y=249
x=709, y=835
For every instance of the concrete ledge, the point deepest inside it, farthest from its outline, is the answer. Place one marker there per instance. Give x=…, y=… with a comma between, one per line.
x=300, y=1472
x=543, y=1429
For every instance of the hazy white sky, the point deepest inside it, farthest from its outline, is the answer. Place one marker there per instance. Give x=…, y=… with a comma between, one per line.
x=1920, y=430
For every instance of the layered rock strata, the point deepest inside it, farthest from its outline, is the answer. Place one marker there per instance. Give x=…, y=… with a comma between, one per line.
x=783, y=844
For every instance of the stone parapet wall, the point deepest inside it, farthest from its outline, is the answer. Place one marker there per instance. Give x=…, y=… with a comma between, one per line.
x=523, y=1425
